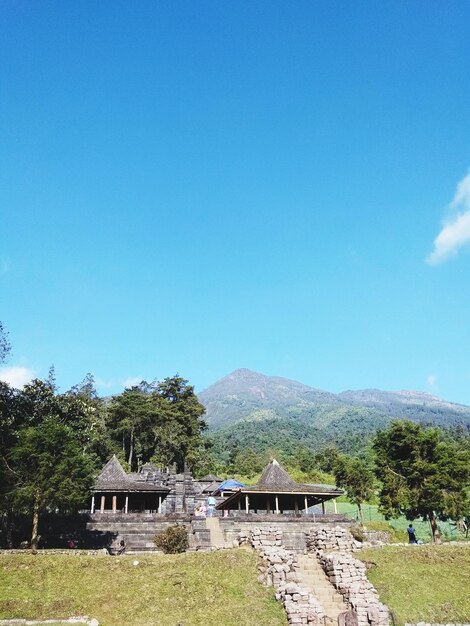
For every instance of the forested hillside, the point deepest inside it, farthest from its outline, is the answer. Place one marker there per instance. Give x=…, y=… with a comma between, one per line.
x=250, y=410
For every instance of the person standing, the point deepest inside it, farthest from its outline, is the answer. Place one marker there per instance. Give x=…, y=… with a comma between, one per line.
x=210, y=506
x=411, y=534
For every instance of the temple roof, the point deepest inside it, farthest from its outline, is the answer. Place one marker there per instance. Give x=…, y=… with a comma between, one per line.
x=112, y=473
x=275, y=479
x=114, y=478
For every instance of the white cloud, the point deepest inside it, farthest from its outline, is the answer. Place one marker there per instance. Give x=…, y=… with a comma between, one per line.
x=16, y=376
x=115, y=383
x=456, y=231
x=431, y=380
x=132, y=381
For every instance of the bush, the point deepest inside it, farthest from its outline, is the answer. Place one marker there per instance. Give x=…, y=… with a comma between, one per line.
x=172, y=540
x=395, y=536
x=357, y=532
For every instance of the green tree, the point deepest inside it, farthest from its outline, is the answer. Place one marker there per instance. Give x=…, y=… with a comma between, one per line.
x=422, y=474
x=305, y=460
x=180, y=425
x=159, y=422
x=51, y=471
x=353, y=475
x=9, y=425
x=327, y=458
x=38, y=400
x=5, y=346
x=247, y=463
x=30, y=412
x=96, y=439
x=132, y=422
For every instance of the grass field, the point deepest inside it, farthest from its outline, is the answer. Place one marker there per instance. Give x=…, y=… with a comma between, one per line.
x=193, y=589
x=423, y=529
x=422, y=583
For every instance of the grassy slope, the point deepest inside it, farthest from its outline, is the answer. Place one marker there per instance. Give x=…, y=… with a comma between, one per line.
x=423, y=583
x=371, y=514
x=192, y=589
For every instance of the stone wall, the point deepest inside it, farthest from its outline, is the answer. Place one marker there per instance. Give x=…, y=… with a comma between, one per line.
x=137, y=530
x=280, y=570
x=348, y=575
x=376, y=537
x=324, y=538
x=334, y=547
x=294, y=530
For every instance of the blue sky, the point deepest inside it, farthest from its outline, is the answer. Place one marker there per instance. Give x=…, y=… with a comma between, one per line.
x=195, y=187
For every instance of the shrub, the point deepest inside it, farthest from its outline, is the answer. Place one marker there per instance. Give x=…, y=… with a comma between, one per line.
x=395, y=536
x=357, y=532
x=172, y=540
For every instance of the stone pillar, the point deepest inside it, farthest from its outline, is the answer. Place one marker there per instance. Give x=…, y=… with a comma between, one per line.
x=247, y=504
x=92, y=510
x=103, y=498
x=114, y=504
x=277, y=505
x=296, y=507
x=159, y=504
x=334, y=503
x=323, y=507
x=306, y=506
x=239, y=505
x=126, y=506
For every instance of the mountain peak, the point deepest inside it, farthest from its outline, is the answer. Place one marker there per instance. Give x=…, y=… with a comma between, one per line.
x=244, y=391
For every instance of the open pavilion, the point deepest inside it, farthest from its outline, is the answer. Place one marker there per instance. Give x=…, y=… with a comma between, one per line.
x=115, y=491
x=276, y=492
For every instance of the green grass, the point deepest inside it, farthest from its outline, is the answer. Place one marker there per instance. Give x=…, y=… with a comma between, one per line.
x=396, y=536
x=192, y=589
x=371, y=515
x=422, y=583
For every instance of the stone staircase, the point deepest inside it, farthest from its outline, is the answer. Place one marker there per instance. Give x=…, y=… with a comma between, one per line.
x=216, y=533
x=316, y=581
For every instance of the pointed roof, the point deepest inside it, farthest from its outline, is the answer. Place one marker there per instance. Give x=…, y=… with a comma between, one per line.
x=114, y=478
x=275, y=479
x=112, y=475
x=112, y=470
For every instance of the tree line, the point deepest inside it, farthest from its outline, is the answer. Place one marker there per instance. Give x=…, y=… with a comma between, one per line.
x=52, y=445
x=415, y=471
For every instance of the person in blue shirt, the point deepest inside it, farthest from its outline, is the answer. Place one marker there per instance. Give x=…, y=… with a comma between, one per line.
x=210, y=506
x=411, y=534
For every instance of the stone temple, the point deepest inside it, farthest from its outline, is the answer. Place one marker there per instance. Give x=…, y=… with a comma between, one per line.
x=136, y=506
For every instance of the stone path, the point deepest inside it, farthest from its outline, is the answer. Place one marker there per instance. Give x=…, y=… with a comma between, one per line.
x=315, y=580
x=217, y=536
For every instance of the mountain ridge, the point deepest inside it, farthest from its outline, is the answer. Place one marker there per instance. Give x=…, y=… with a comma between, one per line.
x=250, y=409
x=244, y=389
